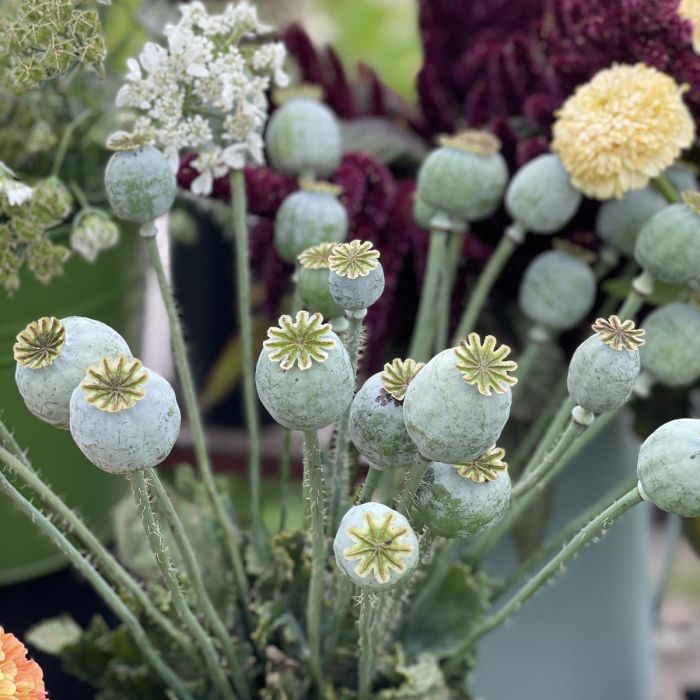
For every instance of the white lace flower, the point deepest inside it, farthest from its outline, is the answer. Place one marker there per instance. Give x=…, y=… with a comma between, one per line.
x=209, y=164
x=16, y=192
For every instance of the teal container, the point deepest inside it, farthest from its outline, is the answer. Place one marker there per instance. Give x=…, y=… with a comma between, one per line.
x=109, y=290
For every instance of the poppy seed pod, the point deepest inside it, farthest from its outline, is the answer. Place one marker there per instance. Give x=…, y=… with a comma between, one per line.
x=453, y=502
x=604, y=367
x=52, y=358
x=140, y=184
x=668, y=468
x=304, y=376
x=540, y=196
x=307, y=217
x=465, y=177
x=423, y=213
x=356, y=277
x=312, y=281
x=375, y=546
x=123, y=417
x=457, y=405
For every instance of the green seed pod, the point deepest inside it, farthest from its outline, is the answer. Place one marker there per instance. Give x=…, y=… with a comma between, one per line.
x=375, y=546
x=52, y=358
x=423, y=213
x=540, y=196
x=668, y=247
x=671, y=350
x=356, y=278
x=465, y=177
x=303, y=137
x=557, y=290
x=312, y=281
x=123, y=417
x=376, y=424
x=304, y=376
x=457, y=405
x=682, y=177
x=453, y=504
x=669, y=469
x=619, y=221
x=140, y=184
x=604, y=367
x=309, y=216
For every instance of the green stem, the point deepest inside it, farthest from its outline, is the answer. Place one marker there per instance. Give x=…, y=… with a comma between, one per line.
x=642, y=286
x=509, y=242
x=169, y=573
x=555, y=429
x=196, y=578
x=664, y=185
x=455, y=244
x=240, y=235
x=424, y=328
x=413, y=481
x=285, y=465
x=528, y=357
x=366, y=664
x=312, y=463
x=108, y=594
x=673, y=533
x=79, y=195
x=370, y=485
x=65, y=140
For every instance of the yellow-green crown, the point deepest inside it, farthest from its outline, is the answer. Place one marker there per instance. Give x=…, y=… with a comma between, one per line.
x=317, y=257
x=477, y=141
x=126, y=141
x=40, y=343
x=617, y=334
x=308, y=91
x=484, y=365
x=321, y=186
x=398, y=374
x=691, y=198
x=484, y=468
x=563, y=245
x=115, y=384
x=354, y=259
x=300, y=341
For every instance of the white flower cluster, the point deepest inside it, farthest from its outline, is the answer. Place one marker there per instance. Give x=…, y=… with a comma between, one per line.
x=207, y=90
x=16, y=192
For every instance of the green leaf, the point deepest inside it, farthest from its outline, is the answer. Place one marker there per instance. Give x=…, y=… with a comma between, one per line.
x=53, y=635
x=663, y=293
x=423, y=680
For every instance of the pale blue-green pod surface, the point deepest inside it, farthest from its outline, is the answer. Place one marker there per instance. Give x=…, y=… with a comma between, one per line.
x=375, y=524
x=668, y=247
x=540, y=196
x=307, y=399
x=377, y=427
x=423, y=213
x=557, y=290
x=307, y=218
x=671, y=350
x=452, y=505
x=359, y=293
x=303, y=138
x=619, y=221
x=448, y=419
x=47, y=390
x=464, y=185
x=682, y=177
x=601, y=378
x=315, y=293
x=669, y=467
x=138, y=437
x=140, y=184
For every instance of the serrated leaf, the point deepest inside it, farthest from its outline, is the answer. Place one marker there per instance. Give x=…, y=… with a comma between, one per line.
x=423, y=681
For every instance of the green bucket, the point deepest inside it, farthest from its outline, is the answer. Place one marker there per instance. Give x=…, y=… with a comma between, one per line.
x=110, y=290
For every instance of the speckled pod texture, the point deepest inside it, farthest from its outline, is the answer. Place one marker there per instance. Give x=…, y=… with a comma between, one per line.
x=668, y=246
x=671, y=350
x=540, y=196
x=377, y=427
x=357, y=294
x=601, y=378
x=315, y=293
x=306, y=399
x=138, y=437
x=306, y=219
x=140, y=184
x=47, y=391
x=466, y=186
x=448, y=419
x=454, y=506
x=303, y=138
x=557, y=290
x=669, y=467
x=619, y=221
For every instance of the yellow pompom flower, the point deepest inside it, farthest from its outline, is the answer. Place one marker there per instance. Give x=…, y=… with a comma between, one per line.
x=624, y=127
x=690, y=10
x=20, y=677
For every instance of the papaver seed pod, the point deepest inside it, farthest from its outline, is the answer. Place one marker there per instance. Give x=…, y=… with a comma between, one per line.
x=307, y=217
x=457, y=405
x=124, y=417
x=452, y=503
x=140, y=184
x=682, y=177
x=603, y=369
x=52, y=358
x=557, y=290
x=619, y=221
x=668, y=468
x=423, y=213
x=303, y=138
x=375, y=546
x=465, y=177
x=540, y=196
x=312, y=281
x=671, y=350
x=356, y=277
x=376, y=426
x=304, y=376
x=668, y=247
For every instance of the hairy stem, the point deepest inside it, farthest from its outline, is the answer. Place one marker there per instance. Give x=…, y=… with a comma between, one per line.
x=370, y=485
x=410, y=487
x=366, y=664
x=285, y=465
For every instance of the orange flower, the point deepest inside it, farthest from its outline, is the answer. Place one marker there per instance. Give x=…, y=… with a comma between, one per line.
x=20, y=677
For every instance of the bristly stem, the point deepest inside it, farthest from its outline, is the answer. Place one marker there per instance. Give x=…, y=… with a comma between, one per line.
x=368, y=604
x=245, y=323
x=370, y=484
x=103, y=588
x=285, y=466
x=410, y=486
x=455, y=245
